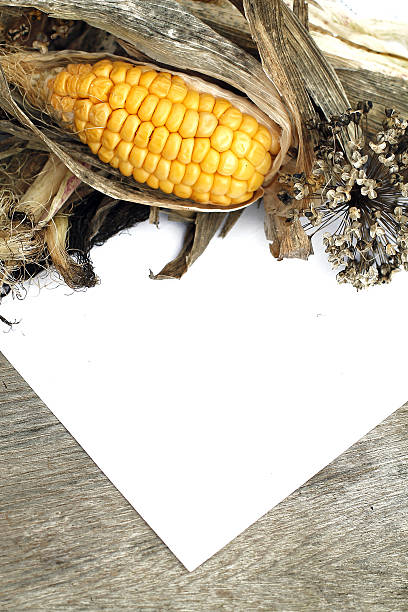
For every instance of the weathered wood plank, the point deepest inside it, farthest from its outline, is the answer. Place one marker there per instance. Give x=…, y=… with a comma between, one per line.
x=69, y=541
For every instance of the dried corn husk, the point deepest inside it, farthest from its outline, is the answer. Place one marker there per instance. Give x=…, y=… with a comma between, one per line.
x=377, y=45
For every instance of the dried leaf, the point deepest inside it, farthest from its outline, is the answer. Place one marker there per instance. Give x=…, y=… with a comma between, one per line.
x=302, y=59
x=268, y=30
x=230, y=222
x=287, y=239
x=300, y=8
x=196, y=240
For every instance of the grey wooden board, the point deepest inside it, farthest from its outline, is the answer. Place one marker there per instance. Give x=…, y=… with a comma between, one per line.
x=70, y=541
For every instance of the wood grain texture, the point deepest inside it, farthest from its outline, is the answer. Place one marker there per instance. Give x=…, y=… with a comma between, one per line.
x=69, y=540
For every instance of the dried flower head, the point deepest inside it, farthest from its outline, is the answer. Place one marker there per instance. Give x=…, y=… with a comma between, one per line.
x=358, y=192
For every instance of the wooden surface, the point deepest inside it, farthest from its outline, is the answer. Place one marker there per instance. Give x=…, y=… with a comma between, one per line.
x=69, y=541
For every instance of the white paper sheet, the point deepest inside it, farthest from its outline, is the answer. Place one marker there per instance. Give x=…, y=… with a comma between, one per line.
x=206, y=401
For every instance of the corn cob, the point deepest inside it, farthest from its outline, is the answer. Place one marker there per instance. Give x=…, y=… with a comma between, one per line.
x=152, y=126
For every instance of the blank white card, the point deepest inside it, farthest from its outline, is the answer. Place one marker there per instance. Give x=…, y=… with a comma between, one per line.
x=206, y=401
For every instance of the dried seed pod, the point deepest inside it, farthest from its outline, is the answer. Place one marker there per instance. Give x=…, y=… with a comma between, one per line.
x=161, y=130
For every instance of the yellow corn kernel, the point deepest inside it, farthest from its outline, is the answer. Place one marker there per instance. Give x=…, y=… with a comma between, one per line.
x=118, y=95
x=117, y=119
x=186, y=150
x=182, y=191
x=177, y=170
x=71, y=85
x=210, y=161
x=137, y=157
x=158, y=139
x=255, y=181
x=206, y=103
x=99, y=89
x=153, y=181
x=200, y=150
x=265, y=164
x=162, y=112
x=56, y=102
x=243, y=198
x=110, y=139
x=99, y=114
x=163, y=169
x=192, y=100
x=166, y=186
x=263, y=136
x=172, y=146
x=275, y=144
x=105, y=155
x=73, y=68
x=231, y=117
x=67, y=104
x=93, y=134
x=221, y=184
x=114, y=162
x=143, y=134
x=237, y=188
x=241, y=143
x=129, y=128
x=84, y=69
x=150, y=162
x=123, y=150
x=147, y=107
x=191, y=174
x=135, y=98
x=82, y=109
x=102, y=68
x=221, y=140
x=207, y=123
x=118, y=72
x=94, y=146
x=147, y=78
x=244, y=170
x=249, y=125
x=177, y=91
x=176, y=117
x=220, y=106
x=256, y=153
x=188, y=127
x=84, y=85
x=133, y=75
x=67, y=117
x=60, y=83
x=125, y=168
x=140, y=175
x=220, y=199
x=160, y=86
x=203, y=198
x=204, y=183
x=228, y=163
x=79, y=124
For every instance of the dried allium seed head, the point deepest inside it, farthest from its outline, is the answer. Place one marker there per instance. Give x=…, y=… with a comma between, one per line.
x=363, y=196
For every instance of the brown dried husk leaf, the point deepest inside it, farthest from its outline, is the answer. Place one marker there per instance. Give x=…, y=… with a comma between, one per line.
x=197, y=237
x=297, y=66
